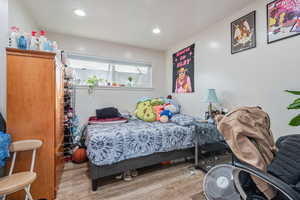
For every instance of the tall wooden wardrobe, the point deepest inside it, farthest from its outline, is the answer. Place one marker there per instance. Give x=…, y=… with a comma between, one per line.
x=35, y=111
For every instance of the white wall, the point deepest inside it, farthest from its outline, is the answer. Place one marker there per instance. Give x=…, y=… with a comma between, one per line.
x=124, y=99
x=3, y=43
x=20, y=16
x=254, y=77
x=12, y=13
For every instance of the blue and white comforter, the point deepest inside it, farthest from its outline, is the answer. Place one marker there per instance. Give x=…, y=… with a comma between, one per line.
x=108, y=144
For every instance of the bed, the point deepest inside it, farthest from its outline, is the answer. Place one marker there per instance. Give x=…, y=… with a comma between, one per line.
x=115, y=148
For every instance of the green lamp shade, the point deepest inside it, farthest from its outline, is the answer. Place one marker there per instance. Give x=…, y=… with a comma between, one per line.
x=211, y=96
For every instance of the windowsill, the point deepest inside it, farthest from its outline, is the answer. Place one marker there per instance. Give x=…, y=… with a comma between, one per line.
x=82, y=87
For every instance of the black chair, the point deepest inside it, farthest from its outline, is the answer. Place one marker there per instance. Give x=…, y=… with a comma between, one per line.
x=275, y=174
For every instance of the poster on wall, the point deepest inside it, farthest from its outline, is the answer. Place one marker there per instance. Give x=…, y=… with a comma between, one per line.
x=283, y=19
x=183, y=70
x=243, y=33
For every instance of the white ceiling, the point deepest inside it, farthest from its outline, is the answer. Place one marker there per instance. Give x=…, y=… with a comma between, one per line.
x=131, y=21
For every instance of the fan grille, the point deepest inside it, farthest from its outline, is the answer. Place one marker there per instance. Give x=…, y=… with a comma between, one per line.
x=219, y=184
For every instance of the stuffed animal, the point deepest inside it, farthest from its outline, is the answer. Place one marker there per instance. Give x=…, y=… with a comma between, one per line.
x=151, y=110
x=145, y=111
x=174, y=103
x=171, y=108
x=164, y=119
x=157, y=102
x=158, y=110
x=165, y=116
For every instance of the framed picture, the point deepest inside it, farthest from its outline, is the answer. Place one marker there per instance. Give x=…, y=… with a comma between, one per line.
x=183, y=70
x=243, y=33
x=283, y=18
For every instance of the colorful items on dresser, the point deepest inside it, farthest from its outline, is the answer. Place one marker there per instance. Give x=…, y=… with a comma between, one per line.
x=26, y=41
x=157, y=109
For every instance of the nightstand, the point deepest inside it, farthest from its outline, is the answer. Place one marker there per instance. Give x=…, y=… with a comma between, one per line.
x=207, y=140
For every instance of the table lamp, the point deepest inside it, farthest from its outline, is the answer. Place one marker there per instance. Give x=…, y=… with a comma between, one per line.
x=211, y=98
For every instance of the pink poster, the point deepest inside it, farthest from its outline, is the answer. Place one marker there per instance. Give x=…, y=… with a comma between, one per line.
x=283, y=19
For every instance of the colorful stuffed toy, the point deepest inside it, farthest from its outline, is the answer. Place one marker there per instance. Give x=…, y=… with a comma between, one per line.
x=174, y=103
x=164, y=119
x=145, y=111
x=157, y=102
x=171, y=108
x=165, y=116
x=158, y=110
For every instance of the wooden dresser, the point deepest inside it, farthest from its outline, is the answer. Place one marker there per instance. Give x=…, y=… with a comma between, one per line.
x=35, y=98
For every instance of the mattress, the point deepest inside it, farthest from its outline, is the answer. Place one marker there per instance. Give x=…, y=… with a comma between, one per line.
x=109, y=144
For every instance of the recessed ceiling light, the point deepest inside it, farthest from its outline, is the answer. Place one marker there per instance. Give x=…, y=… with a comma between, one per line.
x=156, y=31
x=79, y=12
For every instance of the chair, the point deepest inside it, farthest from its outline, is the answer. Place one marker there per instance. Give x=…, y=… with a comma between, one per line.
x=22, y=180
x=285, y=190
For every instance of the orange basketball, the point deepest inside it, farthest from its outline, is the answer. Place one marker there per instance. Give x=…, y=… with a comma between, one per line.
x=79, y=155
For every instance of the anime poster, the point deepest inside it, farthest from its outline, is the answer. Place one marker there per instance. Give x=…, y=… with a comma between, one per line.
x=243, y=33
x=183, y=70
x=283, y=19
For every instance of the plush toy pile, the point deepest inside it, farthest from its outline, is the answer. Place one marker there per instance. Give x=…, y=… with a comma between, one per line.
x=158, y=109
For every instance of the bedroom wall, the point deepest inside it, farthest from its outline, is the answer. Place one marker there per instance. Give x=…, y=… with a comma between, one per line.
x=254, y=77
x=20, y=16
x=12, y=13
x=124, y=99
x=3, y=42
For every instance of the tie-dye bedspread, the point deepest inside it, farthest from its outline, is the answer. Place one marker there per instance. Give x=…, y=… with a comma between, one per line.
x=108, y=144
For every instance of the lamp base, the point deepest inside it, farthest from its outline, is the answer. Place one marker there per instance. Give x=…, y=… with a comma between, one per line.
x=209, y=110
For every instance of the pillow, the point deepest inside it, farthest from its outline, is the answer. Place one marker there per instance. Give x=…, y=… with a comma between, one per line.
x=183, y=120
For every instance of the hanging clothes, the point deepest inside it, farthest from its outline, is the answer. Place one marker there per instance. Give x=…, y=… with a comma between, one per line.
x=5, y=141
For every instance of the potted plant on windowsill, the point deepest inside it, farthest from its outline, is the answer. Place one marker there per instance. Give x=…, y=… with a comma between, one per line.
x=92, y=82
x=295, y=105
x=130, y=79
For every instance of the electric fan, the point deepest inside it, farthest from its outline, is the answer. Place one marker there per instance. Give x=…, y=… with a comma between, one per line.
x=219, y=183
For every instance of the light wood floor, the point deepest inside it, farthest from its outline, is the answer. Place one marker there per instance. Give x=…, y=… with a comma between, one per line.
x=179, y=182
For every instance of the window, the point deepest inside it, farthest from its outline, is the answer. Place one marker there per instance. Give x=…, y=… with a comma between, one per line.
x=111, y=73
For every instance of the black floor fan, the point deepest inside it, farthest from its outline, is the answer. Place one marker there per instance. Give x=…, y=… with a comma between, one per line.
x=223, y=183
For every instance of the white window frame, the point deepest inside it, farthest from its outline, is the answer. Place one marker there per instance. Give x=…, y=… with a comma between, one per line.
x=112, y=62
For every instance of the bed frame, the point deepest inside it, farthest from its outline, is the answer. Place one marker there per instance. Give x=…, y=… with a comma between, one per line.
x=97, y=172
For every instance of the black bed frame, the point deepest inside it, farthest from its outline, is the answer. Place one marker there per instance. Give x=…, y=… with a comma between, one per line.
x=97, y=172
